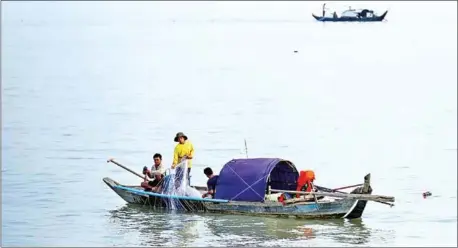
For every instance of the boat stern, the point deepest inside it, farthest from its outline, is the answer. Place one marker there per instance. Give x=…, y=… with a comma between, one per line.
x=318, y=18
x=356, y=211
x=124, y=194
x=383, y=15
x=110, y=182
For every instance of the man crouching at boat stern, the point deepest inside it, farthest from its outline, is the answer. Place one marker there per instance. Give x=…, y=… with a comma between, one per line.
x=305, y=183
x=211, y=183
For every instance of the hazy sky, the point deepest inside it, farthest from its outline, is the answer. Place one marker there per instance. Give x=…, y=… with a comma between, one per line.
x=222, y=9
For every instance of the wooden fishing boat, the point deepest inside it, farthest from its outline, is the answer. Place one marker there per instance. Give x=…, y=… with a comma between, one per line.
x=352, y=15
x=250, y=186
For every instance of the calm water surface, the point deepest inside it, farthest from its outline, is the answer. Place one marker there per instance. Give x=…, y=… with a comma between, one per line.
x=84, y=81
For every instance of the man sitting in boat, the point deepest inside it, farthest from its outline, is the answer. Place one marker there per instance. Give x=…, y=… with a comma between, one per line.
x=156, y=173
x=157, y=166
x=148, y=185
x=211, y=183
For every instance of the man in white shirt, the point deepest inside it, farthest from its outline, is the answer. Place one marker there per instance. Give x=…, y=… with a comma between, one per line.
x=157, y=166
x=156, y=173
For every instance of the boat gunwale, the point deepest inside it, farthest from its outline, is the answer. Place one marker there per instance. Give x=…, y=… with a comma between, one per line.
x=149, y=193
x=228, y=202
x=212, y=206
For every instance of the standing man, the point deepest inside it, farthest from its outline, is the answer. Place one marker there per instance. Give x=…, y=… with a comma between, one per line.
x=183, y=150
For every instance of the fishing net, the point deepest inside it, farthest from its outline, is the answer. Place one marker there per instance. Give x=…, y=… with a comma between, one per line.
x=176, y=180
x=176, y=184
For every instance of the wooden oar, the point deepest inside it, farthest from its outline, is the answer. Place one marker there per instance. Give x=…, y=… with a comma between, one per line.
x=324, y=189
x=127, y=169
x=366, y=197
x=348, y=187
x=334, y=190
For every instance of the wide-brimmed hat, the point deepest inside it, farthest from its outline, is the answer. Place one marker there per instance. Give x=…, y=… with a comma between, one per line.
x=180, y=134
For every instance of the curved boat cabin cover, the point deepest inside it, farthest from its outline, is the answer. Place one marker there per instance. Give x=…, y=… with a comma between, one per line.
x=248, y=179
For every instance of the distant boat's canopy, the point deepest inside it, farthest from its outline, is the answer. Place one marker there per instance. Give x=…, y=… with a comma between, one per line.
x=350, y=13
x=355, y=13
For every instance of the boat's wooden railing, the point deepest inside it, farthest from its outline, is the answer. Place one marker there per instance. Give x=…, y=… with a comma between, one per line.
x=366, y=197
x=308, y=199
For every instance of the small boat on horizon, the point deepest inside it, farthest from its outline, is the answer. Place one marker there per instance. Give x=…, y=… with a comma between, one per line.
x=257, y=186
x=351, y=15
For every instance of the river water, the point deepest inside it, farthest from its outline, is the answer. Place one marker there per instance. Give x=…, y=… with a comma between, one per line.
x=85, y=81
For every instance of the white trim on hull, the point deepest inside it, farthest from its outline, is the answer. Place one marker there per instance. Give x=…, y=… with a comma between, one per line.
x=351, y=209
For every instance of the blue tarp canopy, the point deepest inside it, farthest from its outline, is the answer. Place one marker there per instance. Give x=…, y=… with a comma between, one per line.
x=246, y=179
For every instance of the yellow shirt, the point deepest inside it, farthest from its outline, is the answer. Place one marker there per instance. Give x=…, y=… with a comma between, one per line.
x=181, y=150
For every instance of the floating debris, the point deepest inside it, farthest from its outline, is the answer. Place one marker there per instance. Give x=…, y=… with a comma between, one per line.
x=426, y=194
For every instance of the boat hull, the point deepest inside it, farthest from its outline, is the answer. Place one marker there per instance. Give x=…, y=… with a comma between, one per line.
x=351, y=19
x=330, y=209
x=309, y=210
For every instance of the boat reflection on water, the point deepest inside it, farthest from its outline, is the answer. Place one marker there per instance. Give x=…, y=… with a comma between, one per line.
x=189, y=229
x=156, y=228
x=340, y=231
